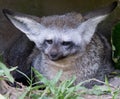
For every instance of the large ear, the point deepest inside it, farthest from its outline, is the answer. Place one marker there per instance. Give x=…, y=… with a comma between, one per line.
x=25, y=23
x=88, y=27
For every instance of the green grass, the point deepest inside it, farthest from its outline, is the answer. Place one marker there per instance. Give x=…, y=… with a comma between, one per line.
x=55, y=90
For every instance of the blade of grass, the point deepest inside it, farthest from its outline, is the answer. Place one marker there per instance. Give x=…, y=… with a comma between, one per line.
x=57, y=77
x=6, y=72
x=25, y=93
x=24, y=75
x=2, y=97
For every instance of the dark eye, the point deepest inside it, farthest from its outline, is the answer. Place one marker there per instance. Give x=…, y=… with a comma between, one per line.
x=49, y=41
x=67, y=43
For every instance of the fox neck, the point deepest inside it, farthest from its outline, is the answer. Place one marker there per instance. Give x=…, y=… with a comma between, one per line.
x=64, y=64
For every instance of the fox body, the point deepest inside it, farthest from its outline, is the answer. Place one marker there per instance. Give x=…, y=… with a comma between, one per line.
x=67, y=42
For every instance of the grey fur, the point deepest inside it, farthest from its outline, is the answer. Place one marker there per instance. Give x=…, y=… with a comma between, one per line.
x=67, y=42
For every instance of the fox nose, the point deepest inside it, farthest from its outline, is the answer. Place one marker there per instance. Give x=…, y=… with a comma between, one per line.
x=53, y=56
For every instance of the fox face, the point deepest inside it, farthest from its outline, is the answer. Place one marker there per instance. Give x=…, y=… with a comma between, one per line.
x=58, y=36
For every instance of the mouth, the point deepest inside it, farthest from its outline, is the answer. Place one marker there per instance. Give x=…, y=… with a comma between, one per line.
x=53, y=59
x=57, y=58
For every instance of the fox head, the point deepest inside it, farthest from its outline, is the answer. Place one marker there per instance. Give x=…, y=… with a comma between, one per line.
x=59, y=36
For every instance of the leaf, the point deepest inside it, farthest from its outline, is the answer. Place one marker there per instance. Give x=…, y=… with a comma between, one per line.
x=6, y=72
x=99, y=90
x=40, y=77
x=2, y=97
x=116, y=45
x=57, y=77
x=1, y=58
x=25, y=93
x=116, y=94
x=24, y=75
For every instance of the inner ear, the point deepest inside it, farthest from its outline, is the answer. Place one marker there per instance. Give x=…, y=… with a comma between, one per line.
x=27, y=24
x=87, y=28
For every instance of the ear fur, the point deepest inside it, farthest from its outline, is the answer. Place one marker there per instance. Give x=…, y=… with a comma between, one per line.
x=89, y=26
x=93, y=19
x=25, y=23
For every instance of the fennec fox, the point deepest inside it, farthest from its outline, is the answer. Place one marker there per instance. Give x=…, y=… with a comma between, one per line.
x=67, y=42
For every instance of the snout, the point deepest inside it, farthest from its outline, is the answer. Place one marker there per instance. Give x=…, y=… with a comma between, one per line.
x=54, y=56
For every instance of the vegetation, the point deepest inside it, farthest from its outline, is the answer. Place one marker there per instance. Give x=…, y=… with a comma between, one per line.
x=53, y=90
x=116, y=45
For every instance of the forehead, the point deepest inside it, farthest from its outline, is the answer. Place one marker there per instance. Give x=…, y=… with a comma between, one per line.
x=61, y=35
x=69, y=20
x=61, y=28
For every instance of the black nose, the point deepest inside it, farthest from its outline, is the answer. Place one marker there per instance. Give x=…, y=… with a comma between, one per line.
x=53, y=55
